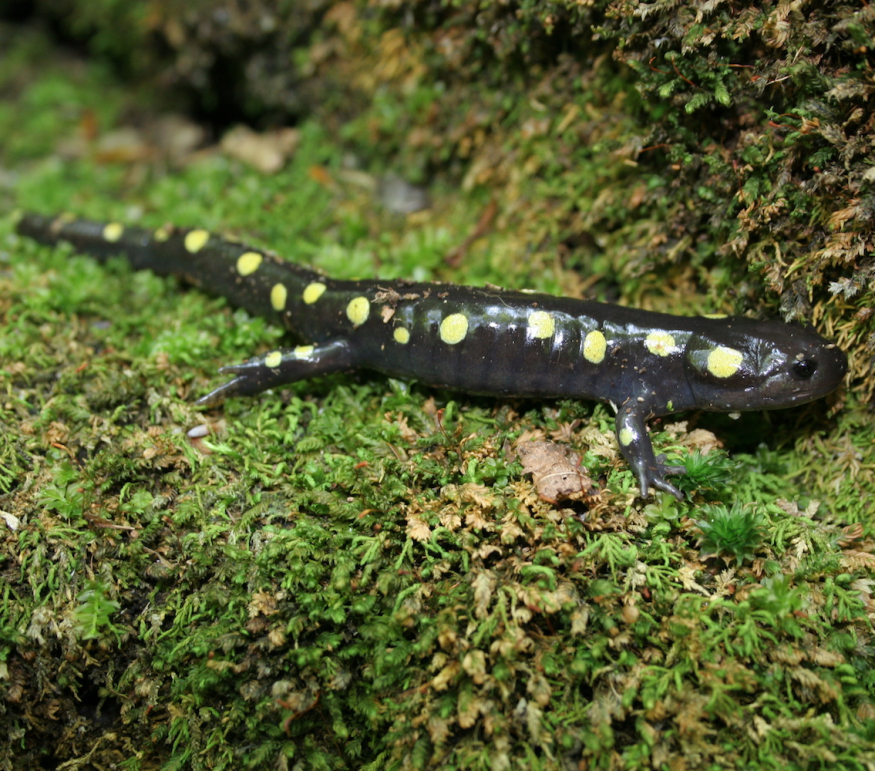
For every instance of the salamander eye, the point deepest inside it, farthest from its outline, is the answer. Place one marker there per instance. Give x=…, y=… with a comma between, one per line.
x=804, y=368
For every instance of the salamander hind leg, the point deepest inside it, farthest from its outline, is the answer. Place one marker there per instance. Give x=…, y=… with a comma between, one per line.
x=281, y=367
x=637, y=449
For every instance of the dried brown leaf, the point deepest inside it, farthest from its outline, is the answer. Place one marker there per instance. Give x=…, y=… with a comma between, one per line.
x=555, y=471
x=417, y=528
x=484, y=586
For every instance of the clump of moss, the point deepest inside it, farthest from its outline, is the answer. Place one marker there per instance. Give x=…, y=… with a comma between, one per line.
x=731, y=532
x=712, y=471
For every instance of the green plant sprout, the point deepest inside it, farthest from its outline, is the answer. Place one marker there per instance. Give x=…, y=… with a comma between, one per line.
x=94, y=611
x=731, y=532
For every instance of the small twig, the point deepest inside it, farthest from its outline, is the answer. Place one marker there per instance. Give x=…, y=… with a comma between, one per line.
x=682, y=77
x=656, y=69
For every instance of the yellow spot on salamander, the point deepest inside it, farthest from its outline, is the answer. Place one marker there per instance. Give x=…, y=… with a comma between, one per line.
x=161, y=234
x=724, y=362
x=273, y=359
x=594, y=347
x=715, y=315
x=113, y=231
x=196, y=240
x=454, y=328
x=248, y=263
x=313, y=292
x=358, y=310
x=627, y=436
x=401, y=335
x=542, y=325
x=660, y=343
x=303, y=351
x=278, y=296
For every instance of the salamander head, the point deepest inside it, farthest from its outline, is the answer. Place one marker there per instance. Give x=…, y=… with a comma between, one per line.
x=740, y=364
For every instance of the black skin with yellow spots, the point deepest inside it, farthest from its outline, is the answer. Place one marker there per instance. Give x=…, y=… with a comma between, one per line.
x=486, y=341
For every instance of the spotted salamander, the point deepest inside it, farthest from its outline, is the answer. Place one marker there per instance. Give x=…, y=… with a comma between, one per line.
x=482, y=340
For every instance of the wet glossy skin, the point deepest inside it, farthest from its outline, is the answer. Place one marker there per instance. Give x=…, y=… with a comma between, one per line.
x=487, y=341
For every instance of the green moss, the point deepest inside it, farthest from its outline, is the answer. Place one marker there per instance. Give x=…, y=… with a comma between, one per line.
x=730, y=532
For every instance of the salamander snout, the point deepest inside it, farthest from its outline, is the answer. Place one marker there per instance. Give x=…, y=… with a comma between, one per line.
x=762, y=365
x=818, y=370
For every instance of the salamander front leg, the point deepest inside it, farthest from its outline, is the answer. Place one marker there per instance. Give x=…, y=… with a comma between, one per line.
x=281, y=367
x=637, y=449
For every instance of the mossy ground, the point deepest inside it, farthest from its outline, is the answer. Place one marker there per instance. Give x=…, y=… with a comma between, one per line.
x=354, y=572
